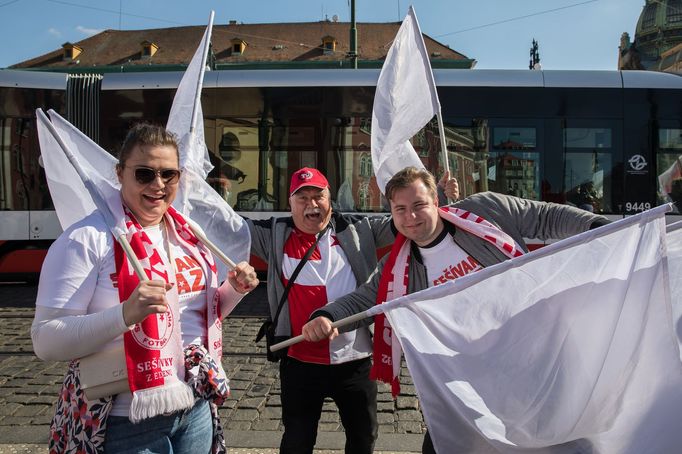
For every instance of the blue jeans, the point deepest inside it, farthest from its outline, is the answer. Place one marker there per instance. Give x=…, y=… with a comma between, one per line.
x=187, y=431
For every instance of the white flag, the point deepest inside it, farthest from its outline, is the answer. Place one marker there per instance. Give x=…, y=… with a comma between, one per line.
x=77, y=196
x=186, y=104
x=569, y=348
x=405, y=101
x=195, y=198
x=674, y=239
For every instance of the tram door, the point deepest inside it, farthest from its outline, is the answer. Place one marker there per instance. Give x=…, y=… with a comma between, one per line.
x=584, y=164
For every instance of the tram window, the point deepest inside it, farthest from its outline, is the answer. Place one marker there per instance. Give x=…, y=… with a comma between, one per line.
x=587, y=138
x=669, y=165
x=253, y=159
x=468, y=154
x=588, y=162
x=229, y=151
x=508, y=164
x=23, y=185
x=355, y=189
x=514, y=163
x=670, y=139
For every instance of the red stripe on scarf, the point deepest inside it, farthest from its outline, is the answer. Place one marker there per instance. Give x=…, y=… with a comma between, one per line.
x=382, y=356
x=128, y=282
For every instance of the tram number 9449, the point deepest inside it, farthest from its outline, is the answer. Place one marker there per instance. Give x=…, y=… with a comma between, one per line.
x=634, y=206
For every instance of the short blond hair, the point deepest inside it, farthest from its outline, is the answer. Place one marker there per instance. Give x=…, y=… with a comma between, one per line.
x=409, y=175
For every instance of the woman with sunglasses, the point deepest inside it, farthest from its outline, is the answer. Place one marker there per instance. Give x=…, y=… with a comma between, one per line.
x=168, y=328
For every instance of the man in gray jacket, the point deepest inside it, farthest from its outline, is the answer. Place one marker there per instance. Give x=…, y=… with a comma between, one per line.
x=342, y=256
x=440, y=247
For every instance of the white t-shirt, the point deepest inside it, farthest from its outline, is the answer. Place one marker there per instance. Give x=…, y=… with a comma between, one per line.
x=446, y=261
x=326, y=275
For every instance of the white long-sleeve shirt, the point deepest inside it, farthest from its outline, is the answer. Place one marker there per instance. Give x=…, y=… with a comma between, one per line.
x=78, y=311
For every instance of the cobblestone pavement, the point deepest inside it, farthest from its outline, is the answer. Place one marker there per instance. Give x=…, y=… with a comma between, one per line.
x=251, y=416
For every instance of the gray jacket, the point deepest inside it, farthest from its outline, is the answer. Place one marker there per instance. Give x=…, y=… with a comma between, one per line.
x=358, y=236
x=518, y=217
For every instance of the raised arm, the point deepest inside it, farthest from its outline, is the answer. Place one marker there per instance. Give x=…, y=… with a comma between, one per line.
x=530, y=218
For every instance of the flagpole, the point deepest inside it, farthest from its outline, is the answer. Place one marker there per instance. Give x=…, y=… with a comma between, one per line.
x=202, y=70
x=477, y=277
x=338, y=324
x=209, y=244
x=443, y=144
x=137, y=266
x=192, y=131
x=439, y=115
x=120, y=236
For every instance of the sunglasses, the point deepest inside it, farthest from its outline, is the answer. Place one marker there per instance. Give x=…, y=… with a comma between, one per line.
x=145, y=175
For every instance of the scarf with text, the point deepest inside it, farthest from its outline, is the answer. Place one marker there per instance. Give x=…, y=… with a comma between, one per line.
x=153, y=347
x=394, y=283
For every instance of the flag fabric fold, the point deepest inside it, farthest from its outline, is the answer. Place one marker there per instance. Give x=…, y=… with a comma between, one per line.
x=567, y=349
x=674, y=243
x=74, y=195
x=405, y=101
x=195, y=156
x=195, y=198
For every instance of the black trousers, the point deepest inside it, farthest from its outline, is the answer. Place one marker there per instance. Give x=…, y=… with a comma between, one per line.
x=304, y=388
x=427, y=445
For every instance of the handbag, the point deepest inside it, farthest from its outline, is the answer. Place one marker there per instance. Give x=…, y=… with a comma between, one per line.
x=104, y=374
x=269, y=326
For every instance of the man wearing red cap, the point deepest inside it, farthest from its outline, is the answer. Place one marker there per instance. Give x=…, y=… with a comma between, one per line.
x=435, y=245
x=342, y=255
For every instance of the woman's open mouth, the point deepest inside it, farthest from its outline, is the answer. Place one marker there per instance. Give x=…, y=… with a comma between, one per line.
x=154, y=199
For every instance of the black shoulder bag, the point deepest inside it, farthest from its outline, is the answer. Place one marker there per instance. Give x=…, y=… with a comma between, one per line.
x=268, y=327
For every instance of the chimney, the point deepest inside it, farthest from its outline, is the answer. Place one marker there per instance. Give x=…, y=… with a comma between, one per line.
x=233, y=22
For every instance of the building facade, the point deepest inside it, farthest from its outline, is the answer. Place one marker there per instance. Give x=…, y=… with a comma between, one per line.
x=658, y=39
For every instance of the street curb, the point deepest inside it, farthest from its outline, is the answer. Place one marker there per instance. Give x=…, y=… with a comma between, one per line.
x=325, y=440
x=14, y=439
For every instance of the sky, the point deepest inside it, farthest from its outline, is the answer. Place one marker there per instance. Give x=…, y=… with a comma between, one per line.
x=572, y=34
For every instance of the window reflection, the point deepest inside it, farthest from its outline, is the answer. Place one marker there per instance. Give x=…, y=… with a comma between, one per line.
x=23, y=185
x=510, y=166
x=587, y=168
x=669, y=166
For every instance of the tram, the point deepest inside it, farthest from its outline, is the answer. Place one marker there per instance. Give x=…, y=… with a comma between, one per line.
x=594, y=139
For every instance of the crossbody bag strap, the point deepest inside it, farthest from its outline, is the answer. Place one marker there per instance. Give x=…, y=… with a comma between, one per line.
x=305, y=258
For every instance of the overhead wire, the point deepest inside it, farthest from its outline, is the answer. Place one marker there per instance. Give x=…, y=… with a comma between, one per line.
x=516, y=18
x=78, y=5
x=313, y=46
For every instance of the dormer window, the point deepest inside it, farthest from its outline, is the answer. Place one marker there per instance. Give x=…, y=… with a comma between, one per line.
x=148, y=49
x=71, y=51
x=238, y=46
x=328, y=45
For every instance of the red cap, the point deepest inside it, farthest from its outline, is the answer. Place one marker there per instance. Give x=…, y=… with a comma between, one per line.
x=307, y=177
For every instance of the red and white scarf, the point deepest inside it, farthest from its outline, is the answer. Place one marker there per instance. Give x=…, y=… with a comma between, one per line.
x=153, y=348
x=394, y=283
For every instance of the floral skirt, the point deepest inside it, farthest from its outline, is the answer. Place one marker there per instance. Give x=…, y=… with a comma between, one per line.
x=79, y=425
